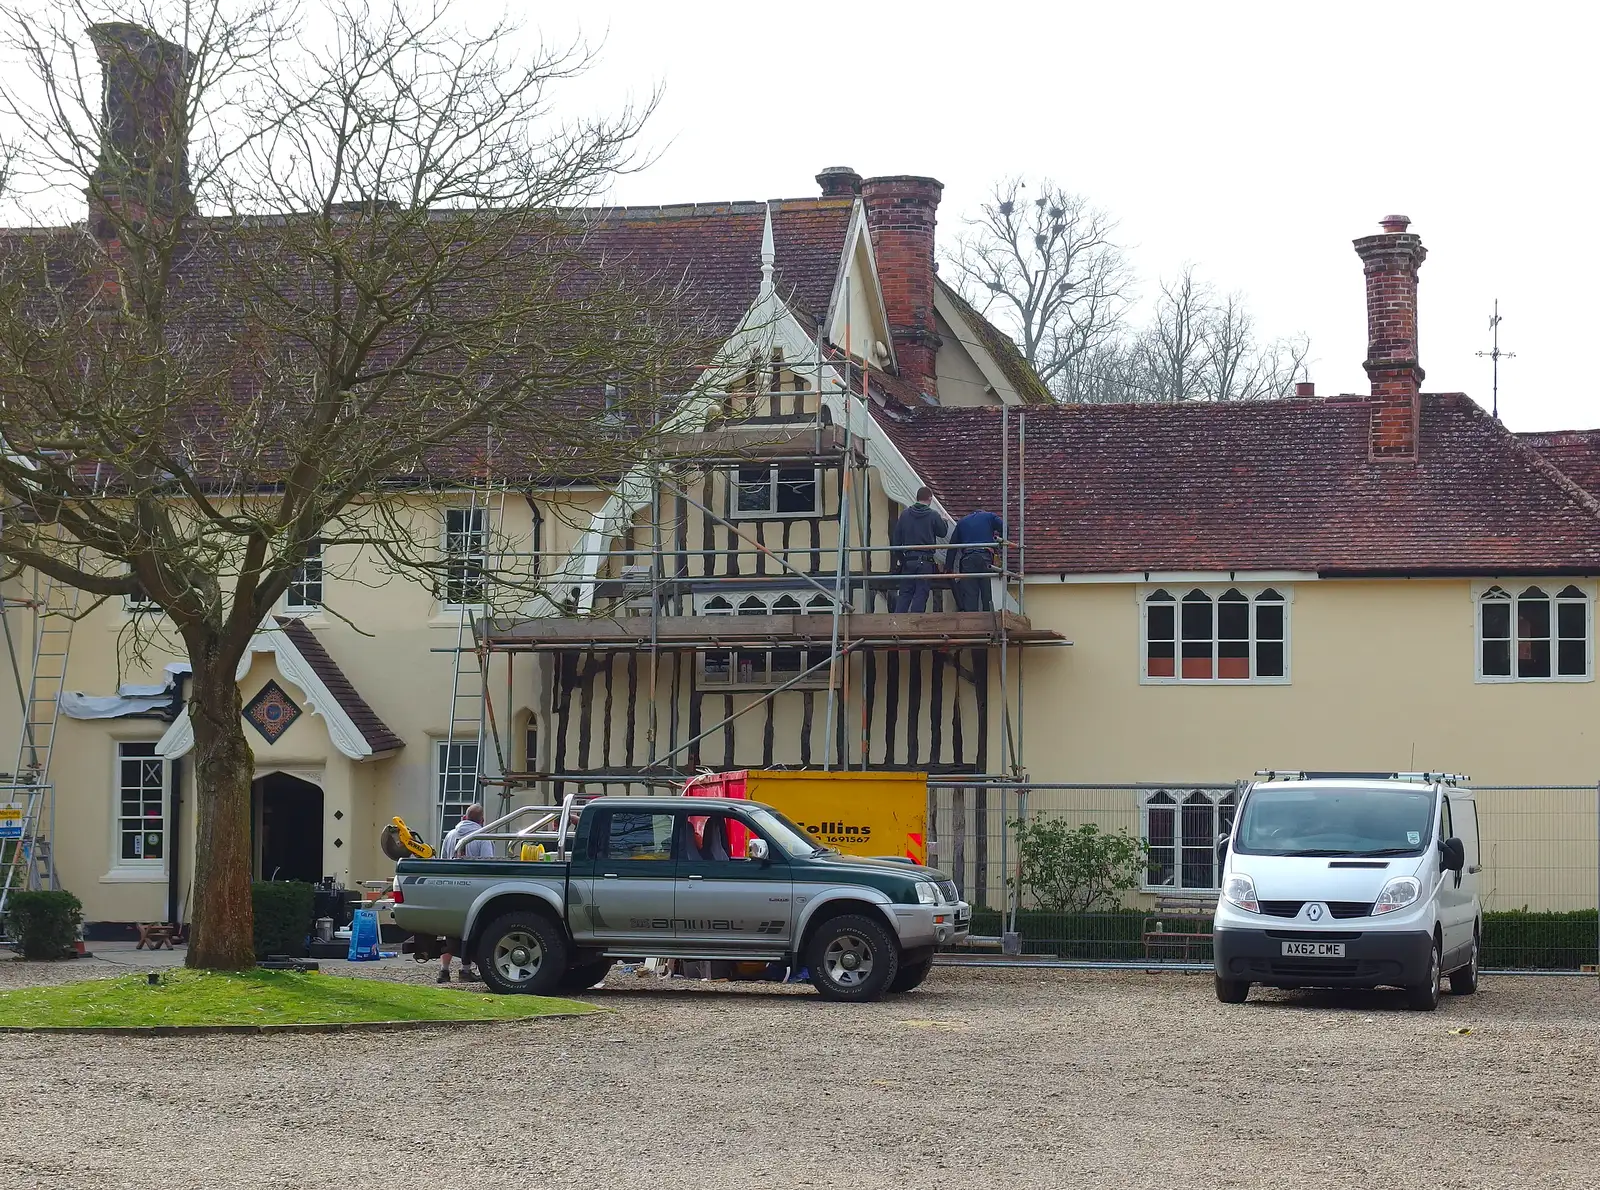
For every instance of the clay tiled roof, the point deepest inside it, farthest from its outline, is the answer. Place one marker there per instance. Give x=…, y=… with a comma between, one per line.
x=1576, y=452
x=373, y=729
x=716, y=247
x=1270, y=485
x=708, y=254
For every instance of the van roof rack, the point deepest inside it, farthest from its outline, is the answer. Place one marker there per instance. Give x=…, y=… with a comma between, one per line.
x=1306, y=775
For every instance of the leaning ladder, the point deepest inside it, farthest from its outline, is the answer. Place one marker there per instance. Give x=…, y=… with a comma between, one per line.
x=26, y=860
x=467, y=719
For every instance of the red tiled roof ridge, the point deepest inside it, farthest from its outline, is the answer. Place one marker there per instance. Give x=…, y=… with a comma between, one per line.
x=1559, y=437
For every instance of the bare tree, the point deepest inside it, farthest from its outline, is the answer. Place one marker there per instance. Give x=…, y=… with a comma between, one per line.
x=1196, y=347
x=1175, y=346
x=319, y=280
x=1048, y=271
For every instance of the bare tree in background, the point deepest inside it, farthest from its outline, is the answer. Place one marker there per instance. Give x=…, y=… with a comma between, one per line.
x=1046, y=269
x=1173, y=349
x=320, y=278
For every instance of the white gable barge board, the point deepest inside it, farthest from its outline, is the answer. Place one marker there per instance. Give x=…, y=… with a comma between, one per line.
x=858, y=243
x=346, y=736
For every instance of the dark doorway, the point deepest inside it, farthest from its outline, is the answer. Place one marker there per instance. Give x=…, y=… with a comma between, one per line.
x=286, y=821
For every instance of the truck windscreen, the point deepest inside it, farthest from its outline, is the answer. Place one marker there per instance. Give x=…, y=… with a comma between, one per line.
x=1334, y=822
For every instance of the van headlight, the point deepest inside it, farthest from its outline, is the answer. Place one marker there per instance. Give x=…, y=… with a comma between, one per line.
x=1397, y=894
x=927, y=892
x=1241, y=891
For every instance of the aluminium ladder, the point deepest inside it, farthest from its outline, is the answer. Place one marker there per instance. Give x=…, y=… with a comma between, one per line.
x=26, y=862
x=467, y=720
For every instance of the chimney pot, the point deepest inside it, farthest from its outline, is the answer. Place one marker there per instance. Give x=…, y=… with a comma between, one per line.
x=839, y=181
x=1305, y=388
x=1395, y=224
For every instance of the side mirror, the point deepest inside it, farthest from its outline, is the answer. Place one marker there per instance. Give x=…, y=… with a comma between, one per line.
x=1222, y=848
x=1453, y=855
x=756, y=849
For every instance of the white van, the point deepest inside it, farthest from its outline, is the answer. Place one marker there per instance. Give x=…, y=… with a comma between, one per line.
x=1351, y=880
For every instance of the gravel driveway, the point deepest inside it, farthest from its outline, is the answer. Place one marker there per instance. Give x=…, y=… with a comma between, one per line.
x=984, y=1078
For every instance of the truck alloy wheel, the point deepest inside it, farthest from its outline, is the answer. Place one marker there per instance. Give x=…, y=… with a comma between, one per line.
x=852, y=958
x=522, y=952
x=517, y=957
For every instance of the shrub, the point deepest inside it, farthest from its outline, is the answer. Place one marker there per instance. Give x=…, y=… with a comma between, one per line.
x=1534, y=941
x=45, y=924
x=1076, y=870
x=282, y=917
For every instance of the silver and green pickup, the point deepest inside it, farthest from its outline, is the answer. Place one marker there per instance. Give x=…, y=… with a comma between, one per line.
x=687, y=878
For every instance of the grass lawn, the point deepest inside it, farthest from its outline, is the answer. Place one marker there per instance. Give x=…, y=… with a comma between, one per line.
x=257, y=998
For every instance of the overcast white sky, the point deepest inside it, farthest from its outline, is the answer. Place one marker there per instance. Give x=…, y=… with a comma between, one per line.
x=1256, y=140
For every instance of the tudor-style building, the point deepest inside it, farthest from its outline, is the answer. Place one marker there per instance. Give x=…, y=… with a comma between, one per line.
x=1383, y=581
x=727, y=538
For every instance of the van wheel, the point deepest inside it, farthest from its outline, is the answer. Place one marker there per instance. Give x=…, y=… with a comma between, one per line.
x=522, y=951
x=852, y=958
x=1232, y=991
x=1464, y=980
x=1425, y=997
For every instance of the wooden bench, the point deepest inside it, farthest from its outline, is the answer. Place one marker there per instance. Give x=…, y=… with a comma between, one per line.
x=156, y=934
x=1179, y=922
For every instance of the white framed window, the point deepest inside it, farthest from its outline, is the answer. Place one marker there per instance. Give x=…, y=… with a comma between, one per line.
x=1214, y=634
x=137, y=602
x=776, y=492
x=141, y=812
x=305, y=584
x=456, y=767
x=758, y=668
x=466, y=544
x=1180, y=828
x=1535, y=631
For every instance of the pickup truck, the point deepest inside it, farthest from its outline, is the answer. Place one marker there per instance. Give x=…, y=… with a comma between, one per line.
x=629, y=878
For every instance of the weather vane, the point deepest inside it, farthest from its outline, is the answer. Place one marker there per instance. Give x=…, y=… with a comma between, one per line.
x=1496, y=355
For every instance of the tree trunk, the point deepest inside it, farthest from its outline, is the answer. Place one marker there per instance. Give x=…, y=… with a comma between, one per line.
x=222, y=937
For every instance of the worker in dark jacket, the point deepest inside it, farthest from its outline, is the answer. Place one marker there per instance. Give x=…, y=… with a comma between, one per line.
x=918, y=525
x=972, y=546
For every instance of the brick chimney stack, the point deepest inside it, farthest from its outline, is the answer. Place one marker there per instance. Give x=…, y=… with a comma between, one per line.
x=1391, y=261
x=839, y=181
x=901, y=216
x=144, y=160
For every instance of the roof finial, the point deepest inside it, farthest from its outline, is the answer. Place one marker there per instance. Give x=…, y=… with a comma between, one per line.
x=769, y=255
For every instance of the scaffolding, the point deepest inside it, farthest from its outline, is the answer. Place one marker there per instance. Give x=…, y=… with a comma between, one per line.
x=646, y=620
x=27, y=796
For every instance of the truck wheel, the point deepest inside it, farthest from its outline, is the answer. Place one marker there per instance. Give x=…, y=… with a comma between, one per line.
x=522, y=951
x=913, y=970
x=1424, y=997
x=584, y=976
x=852, y=958
x=1232, y=991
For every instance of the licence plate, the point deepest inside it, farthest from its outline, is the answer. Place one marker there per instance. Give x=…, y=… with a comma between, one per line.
x=1314, y=950
x=963, y=914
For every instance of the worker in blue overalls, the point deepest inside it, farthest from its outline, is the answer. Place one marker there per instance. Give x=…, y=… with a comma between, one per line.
x=972, y=552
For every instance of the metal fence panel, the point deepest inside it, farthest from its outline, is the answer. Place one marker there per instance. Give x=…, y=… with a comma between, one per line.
x=1012, y=850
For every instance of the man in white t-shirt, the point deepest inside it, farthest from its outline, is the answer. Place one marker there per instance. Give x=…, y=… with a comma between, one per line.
x=458, y=844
